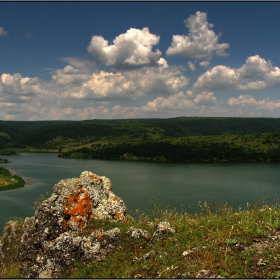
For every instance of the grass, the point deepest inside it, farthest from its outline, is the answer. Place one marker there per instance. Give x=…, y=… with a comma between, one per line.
x=3, y=160
x=9, y=181
x=234, y=244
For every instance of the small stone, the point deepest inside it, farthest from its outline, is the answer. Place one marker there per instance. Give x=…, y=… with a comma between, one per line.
x=137, y=233
x=186, y=253
x=161, y=229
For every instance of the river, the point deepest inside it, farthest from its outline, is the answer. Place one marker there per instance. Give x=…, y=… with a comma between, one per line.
x=140, y=184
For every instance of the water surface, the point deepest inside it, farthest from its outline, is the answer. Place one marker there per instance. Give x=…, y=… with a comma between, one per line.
x=178, y=185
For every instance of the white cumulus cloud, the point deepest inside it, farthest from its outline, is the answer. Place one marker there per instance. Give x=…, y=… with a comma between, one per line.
x=218, y=78
x=174, y=101
x=75, y=73
x=205, y=98
x=201, y=42
x=15, y=88
x=248, y=101
x=253, y=67
x=256, y=73
x=131, y=84
x=129, y=50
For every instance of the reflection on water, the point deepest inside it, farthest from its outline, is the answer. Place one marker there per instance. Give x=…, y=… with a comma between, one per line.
x=180, y=186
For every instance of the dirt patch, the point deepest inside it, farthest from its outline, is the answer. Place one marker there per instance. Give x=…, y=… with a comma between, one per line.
x=3, y=183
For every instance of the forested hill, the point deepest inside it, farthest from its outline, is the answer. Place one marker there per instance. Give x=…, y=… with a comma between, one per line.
x=70, y=136
x=174, y=127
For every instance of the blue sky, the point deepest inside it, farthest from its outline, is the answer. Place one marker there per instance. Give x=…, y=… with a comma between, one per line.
x=88, y=60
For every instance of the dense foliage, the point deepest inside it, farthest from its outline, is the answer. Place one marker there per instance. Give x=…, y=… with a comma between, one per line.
x=177, y=139
x=162, y=151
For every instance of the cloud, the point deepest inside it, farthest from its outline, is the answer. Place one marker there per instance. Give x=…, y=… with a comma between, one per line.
x=15, y=88
x=191, y=65
x=201, y=42
x=3, y=32
x=205, y=98
x=218, y=78
x=132, y=49
x=131, y=84
x=75, y=73
x=162, y=63
x=272, y=78
x=204, y=64
x=174, y=101
x=186, y=104
x=70, y=76
x=256, y=73
x=254, y=66
x=248, y=101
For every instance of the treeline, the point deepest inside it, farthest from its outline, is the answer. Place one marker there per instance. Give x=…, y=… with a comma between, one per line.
x=52, y=134
x=164, y=151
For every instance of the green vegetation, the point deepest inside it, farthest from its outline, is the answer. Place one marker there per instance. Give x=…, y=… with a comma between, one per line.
x=9, y=181
x=3, y=160
x=184, y=139
x=264, y=147
x=232, y=244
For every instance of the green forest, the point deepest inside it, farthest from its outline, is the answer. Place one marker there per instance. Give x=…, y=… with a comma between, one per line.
x=183, y=139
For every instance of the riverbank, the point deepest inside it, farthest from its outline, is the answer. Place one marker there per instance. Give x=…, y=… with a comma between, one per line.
x=9, y=181
x=217, y=242
x=3, y=160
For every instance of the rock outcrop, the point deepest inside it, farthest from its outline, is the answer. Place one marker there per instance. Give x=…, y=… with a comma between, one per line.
x=51, y=240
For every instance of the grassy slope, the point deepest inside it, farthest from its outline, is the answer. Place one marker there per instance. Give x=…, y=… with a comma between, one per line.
x=9, y=181
x=241, y=244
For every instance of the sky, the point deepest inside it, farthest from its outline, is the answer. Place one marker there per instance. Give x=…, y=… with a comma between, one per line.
x=116, y=60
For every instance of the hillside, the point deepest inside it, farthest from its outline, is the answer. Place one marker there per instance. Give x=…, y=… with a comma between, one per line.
x=119, y=139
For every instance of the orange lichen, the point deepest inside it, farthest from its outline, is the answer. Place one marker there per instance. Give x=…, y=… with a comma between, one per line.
x=92, y=176
x=78, y=208
x=99, y=235
x=117, y=216
x=115, y=198
x=110, y=190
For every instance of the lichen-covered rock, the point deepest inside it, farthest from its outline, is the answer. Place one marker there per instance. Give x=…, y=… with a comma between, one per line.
x=68, y=248
x=51, y=240
x=162, y=229
x=137, y=233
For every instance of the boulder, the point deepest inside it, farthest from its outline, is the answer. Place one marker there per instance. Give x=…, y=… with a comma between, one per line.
x=51, y=240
